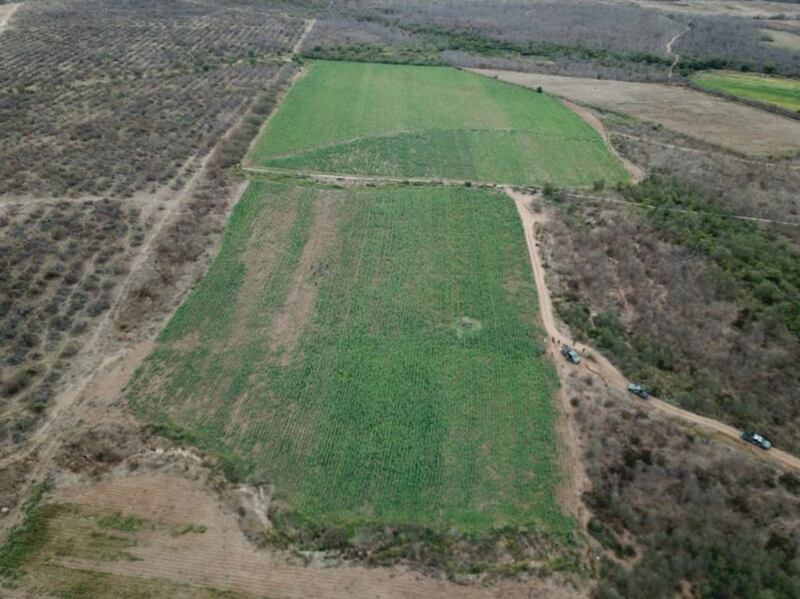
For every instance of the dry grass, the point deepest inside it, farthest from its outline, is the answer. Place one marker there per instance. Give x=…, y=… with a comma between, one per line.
x=708, y=118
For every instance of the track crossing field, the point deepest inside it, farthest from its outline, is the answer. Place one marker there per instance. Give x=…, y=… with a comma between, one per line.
x=374, y=354
x=410, y=121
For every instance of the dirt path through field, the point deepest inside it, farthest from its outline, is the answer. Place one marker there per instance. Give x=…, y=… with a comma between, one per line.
x=637, y=174
x=299, y=44
x=6, y=10
x=600, y=366
x=676, y=57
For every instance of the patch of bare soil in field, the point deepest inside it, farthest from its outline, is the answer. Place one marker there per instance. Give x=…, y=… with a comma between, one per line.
x=290, y=321
x=708, y=118
x=175, y=532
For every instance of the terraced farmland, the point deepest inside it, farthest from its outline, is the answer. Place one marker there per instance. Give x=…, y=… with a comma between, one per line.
x=407, y=121
x=779, y=91
x=374, y=354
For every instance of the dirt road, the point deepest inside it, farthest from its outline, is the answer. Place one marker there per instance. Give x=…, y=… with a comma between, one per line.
x=600, y=366
x=299, y=45
x=676, y=57
x=637, y=174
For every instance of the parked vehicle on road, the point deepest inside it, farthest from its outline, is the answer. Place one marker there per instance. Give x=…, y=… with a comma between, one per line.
x=570, y=354
x=756, y=439
x=637, y=389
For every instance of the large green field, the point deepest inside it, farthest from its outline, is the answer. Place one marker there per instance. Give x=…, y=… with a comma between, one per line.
x=374, y=354
x=779, y=91
x=408, y=121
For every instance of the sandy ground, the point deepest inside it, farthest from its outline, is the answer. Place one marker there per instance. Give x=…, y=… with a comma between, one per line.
x=223, y=559
x=702, y=116
x=600, y=366
x=6, y=10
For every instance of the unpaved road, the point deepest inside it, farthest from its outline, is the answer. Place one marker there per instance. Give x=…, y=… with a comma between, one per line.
x=607, y=371
x=299, y=45
x=362, y=179
x=676, y=57
x=637, y=174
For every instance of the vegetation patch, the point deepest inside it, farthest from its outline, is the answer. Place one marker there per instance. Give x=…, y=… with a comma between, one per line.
x=434, y=122
x=417, y=392
x=38, y=553
x=25, y=539
x=778, y=91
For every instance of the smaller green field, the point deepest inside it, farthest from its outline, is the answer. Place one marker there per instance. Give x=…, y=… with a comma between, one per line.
x=410, y=121
x=778, y=91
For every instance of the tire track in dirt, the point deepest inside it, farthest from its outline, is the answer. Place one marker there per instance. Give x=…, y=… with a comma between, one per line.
x=607, y=371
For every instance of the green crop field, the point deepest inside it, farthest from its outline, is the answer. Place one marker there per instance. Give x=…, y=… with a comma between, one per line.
x=408, y=121
x=779, y=91
x=374, y=354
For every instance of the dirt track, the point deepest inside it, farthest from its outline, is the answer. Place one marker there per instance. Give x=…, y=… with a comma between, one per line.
x=676, y=57
x=636, y=173
x=600, y=366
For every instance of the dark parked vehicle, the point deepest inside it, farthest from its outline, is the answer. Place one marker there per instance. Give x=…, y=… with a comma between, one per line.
x=756, y=439
x=570, y=354
x=638, y=390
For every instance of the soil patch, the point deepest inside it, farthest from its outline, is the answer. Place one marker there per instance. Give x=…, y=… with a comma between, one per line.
x=290, y=321
x=221, y=558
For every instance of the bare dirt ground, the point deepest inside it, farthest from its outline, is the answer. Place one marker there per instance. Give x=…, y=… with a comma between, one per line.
x=290, y=321
x=222, y=558
x=6, y=10
x=711, y=119
x=597, y=364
